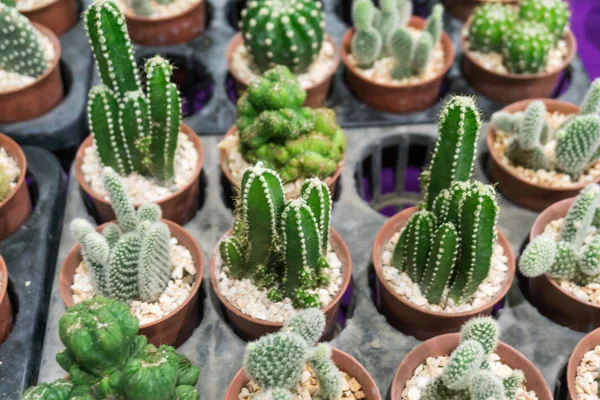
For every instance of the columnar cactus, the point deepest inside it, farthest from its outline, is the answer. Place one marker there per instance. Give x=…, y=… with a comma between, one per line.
x=131, y=264
x=20, y=46
x=105, y=359
x=526, y=47
x=489, y=25
x=133, y=131
x=554, y=14
x=283, y=32
x=275, y=362
x=5, y=181
x=591, y=101
x=275, y=129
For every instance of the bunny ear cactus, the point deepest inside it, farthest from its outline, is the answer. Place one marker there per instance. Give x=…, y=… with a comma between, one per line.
x=577, y=144
x=554, y=14
x=489, y=25
x=591, y=101
x=526, y=47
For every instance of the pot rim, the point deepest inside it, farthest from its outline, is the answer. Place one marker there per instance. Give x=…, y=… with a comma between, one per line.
x=379, y=242
x=21, y=161
x=335, y=238
x=137, y=18
x=330, y=180
x=3, y=280
x=490, y=142
x=42, y=7
x=57, y=54
x=176, y=231
x=568, y=37
x=88, y=190
x=414, y=20
x=237, y=41
x=575, y=358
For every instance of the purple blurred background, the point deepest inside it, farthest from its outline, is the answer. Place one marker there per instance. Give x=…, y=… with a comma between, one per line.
x=585, y=24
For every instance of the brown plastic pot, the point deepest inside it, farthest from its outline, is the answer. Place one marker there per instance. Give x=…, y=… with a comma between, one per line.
x=6, y=311
x=533, y=196
x=589, y=342
x=330, y=181
x=553, y=302
x=416, y=321
x=462, y=9
x=39, y=97
x=59, y=15
x=172, y=329
x=249, y=328
x=345, y=363
x=315, y=94
x=445, y=344
x=508, y=88
x=179, y=207
x=16, y=208
x=393, y=98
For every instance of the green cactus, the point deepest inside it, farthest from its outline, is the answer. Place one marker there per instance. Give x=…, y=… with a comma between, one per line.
x=525, y=49
x=21, y=50
x=484, y=330
x=485, y=385
x=512, y=383
x=538, y=256
x=489, y=25
x=589, y=263
x=5, y=184
x=283, y=32
x=507, y=122
x=442, y=258
x=463, y=363
x=580, y=216
x=315, y=194
x=565, y=263
x=591, y=101
x=330, y=380
x=411, y=55
x=367, y=42
x=554, y=14
x=577, y=144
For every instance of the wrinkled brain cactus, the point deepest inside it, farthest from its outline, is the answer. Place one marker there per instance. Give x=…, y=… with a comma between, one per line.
x=280, y=244
x=275, y=129
x=283, y=32
x=467, y=374
x=130, y=261
x=105, y=359
x=276, y=362
x=133, y=131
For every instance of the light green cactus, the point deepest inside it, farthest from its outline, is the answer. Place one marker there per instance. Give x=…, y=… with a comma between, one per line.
x=577, y=144
x=580, y=216
x=538, y=256
x=526, y=47
x=554, y=14
x=591, y=101
x=483, y=330
x=490, y=24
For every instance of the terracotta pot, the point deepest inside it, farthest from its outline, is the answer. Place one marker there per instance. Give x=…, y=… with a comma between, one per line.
x=513, y=186
x=167, y=31
x=331, y=180
x=59, y=15
x=445, y=344
x=394, y=98
x=39, y=97
x=343, y=361
x=315, y=94
x=462, y=9
x=508, y=88
x=179, y=207
x=553, y=302
x=16, y=208
x=6, y=311
x=249, y=328
x=589, y=342
x=173, y=329
x=416, y=321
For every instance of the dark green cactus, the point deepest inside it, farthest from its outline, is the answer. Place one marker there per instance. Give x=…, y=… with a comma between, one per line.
x=525, y=49
x=554, y=14
x=315, y=194
x=489, y=26
x=442, y=258
x=418, y=233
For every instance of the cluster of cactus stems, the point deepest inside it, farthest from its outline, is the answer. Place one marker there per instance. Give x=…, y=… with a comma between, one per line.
x=446, y=247
x=468, y=375
x=577, y=141
x=144, y=8
x=275, y=129
x=276, y=362
x=523, y=36
x=106, y=359
x=383, y=32
x=283, y=32
x=129, y=261
x=280, y=244
x=134, y=131
x=570, y=256
x=5, y=184
x=21, y=49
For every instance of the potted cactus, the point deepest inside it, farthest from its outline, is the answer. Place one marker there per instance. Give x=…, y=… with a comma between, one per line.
x=137, y=133
x=281, y=253
x=273, y=128
x=582, y=369
x=289, y=364
x=105, y=358
x=30, y=79
x=396, y=62
x=289, y=33
x=445, y=261
x=513, y=53
x=57, y=15
x=472, y=364
x=534, y=152
x=462, y=9
x=6, y=311
x=151, y=263
x=562, y=261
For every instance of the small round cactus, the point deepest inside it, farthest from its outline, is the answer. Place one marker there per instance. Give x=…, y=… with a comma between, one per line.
x=552, y=13
x=525, y=49
x=538, y=256
x=490, y=24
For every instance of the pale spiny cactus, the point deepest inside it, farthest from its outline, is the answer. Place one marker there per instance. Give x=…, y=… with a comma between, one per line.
x=591, y=101
x=577, y=144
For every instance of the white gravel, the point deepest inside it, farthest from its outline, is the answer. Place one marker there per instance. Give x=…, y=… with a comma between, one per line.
x=381, y=71
x=588, y=373
x=161, y=11
x=11, y=80
x=183, y=273
x=317, y=72
x=142, y=189
x=254, y=302
x=433, y=367
x=11, y=167
x=404, y=286
x=28, y=5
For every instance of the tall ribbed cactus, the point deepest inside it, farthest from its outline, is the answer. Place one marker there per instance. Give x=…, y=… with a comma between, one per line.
x=525, y=49
x=20, y=46
x=577, y=144
x=554, y=14
x=489, y=25
x=283, y=32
